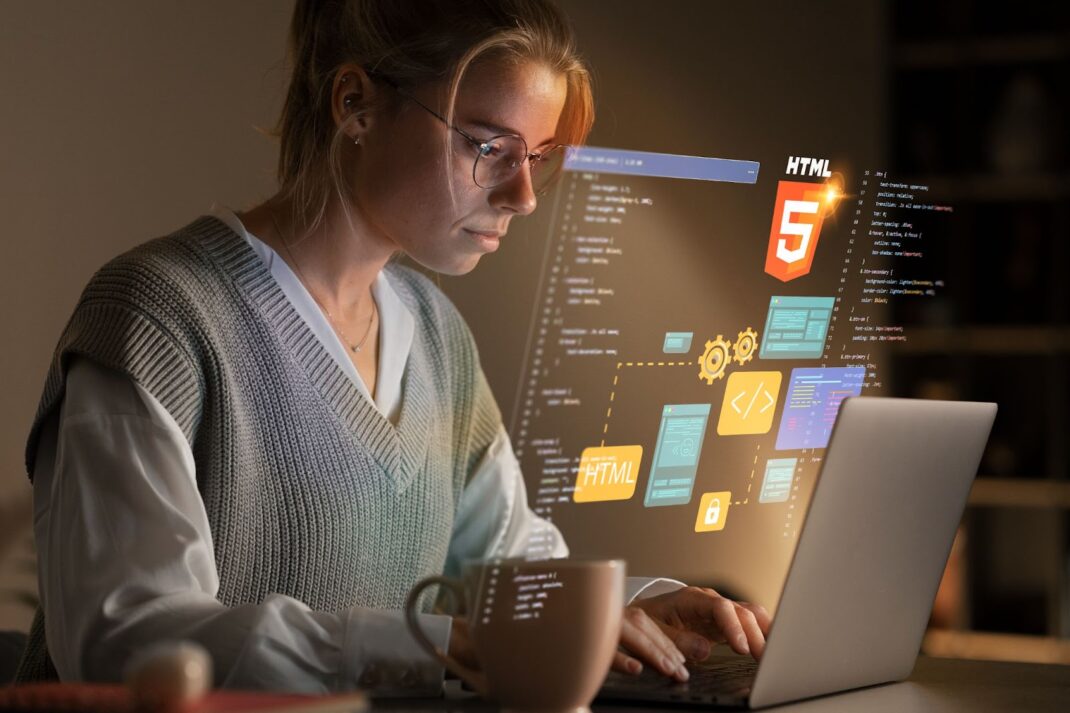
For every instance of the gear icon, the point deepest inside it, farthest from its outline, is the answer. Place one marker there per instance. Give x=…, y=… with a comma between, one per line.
x=746, y=343
x=714, y=359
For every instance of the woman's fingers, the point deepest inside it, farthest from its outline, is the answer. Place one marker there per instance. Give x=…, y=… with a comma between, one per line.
x=753, y=632
x=742, y=626
x=764, y=620
x=641, y=636
x=694, y=646
x=627, y=664
x=727, y=622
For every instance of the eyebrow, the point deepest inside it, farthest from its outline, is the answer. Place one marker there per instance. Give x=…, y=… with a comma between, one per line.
x=500, y=129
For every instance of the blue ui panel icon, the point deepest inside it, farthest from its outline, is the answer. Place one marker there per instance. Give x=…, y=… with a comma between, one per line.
x=776, y=485
x=796, y=327
x=675, y=462
x=677, y=342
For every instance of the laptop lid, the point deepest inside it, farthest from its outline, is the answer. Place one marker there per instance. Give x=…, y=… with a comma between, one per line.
x=871, y=553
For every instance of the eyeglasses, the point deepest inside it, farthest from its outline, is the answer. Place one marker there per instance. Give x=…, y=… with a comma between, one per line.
x=499, y=158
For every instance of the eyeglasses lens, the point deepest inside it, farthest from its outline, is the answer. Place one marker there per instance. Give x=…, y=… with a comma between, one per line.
x=503, y=156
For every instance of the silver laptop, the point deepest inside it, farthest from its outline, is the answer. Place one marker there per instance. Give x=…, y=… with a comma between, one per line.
x=861, y=585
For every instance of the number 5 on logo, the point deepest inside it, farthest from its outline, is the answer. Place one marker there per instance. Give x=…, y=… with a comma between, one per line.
x=797, y=219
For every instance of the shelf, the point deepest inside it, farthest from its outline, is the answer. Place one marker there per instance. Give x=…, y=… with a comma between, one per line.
x=995, y=647
x=998, y=51
x=997, y=187
x=985, y=340
x=1024, y=493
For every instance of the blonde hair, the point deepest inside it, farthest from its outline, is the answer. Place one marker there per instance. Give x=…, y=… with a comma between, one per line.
x=412, y=43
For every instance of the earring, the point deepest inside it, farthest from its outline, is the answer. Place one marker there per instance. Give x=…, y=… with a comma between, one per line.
x=357, y=141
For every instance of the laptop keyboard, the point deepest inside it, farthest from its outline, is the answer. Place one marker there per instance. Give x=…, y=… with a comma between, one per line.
x=729, y=675
x=716, y=680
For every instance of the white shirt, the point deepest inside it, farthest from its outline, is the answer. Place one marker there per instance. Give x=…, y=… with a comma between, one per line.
x=126, y=553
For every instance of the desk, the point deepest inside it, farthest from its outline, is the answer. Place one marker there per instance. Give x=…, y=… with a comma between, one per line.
x=936, y=686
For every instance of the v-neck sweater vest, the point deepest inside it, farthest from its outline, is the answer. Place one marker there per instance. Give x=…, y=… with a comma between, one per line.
x=310, y=492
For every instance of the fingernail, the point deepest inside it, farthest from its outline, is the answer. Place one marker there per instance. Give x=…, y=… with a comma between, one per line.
x=682, y=673
x=634, y=666
x=741, y=640
x=699, y=652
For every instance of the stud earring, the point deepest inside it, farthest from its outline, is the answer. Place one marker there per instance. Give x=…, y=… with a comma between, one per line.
x=356, y=142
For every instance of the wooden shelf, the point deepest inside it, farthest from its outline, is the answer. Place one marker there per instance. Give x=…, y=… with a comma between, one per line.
x=1020, y=493
x=995, y=647
x=981, y=51
x=959, y=70
x=985, y=340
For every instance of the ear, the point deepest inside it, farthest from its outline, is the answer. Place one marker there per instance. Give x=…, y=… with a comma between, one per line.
x=353, y=96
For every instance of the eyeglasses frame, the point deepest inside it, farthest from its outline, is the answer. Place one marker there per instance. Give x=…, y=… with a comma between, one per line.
x=481, y=145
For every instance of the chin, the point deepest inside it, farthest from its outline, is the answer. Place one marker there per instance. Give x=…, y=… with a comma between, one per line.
x=463, y=267
x=451, y=265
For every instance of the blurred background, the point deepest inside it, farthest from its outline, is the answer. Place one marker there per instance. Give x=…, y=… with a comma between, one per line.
x=124, y=120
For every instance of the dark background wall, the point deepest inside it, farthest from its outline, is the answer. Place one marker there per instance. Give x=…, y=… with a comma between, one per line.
x=123, y=120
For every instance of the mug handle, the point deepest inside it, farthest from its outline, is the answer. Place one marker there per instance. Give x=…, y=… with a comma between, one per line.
x=473, y=678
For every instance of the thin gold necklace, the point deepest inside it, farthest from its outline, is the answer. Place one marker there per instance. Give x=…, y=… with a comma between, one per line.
x=354, y=347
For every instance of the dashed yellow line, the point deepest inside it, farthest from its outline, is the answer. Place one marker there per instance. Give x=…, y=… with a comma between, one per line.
x=616, y=380
x=750, y=481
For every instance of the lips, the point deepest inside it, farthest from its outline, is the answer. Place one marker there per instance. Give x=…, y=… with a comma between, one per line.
x=486, y=233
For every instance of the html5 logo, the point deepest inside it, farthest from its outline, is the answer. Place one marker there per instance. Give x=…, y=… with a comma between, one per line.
x=799, y=211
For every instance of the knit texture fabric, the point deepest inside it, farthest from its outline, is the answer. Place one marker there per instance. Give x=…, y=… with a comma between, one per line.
x=310, y=491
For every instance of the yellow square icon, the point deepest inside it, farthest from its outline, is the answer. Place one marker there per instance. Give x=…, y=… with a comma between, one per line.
x=713, y=511
x=607, y=473
x=749, y=403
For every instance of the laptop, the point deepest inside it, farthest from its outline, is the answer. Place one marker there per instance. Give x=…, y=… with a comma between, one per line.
x=871, y=552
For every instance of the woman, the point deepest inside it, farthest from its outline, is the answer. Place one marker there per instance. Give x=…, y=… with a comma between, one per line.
x=259, y=432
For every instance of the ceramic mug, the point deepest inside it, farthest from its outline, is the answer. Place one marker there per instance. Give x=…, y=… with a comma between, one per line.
x=544, y=631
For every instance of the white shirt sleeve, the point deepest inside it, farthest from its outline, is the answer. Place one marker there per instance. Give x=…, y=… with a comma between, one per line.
x=494, y=520
x=127, y=560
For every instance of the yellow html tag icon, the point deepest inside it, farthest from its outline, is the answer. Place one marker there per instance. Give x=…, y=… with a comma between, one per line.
x=607, y=473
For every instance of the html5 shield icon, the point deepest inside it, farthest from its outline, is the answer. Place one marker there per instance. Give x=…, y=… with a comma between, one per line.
x=796, y=227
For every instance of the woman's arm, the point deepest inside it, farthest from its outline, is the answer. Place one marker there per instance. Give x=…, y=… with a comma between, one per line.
x=127, y=559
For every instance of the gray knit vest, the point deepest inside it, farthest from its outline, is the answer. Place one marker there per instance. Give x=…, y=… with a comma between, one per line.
x=310, y=491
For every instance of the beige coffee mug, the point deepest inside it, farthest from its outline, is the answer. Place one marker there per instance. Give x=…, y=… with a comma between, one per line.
x=544, y=631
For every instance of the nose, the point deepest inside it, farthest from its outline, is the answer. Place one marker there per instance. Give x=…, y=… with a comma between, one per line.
x=515, y=195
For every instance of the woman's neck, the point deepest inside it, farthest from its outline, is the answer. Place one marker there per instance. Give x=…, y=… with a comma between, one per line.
x=338, y=265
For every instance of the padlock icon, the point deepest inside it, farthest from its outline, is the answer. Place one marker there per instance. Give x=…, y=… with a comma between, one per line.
x=713, y=511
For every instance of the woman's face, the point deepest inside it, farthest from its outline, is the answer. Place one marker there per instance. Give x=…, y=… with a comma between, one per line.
x=402, y=187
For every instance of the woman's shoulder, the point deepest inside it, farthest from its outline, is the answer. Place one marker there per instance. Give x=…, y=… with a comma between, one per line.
x=159, y=270
x=173, y=253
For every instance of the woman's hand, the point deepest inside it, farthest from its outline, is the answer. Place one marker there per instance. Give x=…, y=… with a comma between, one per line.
x=670, y=629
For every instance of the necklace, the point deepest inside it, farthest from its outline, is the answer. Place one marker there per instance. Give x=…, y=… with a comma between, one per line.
x=334, y=323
